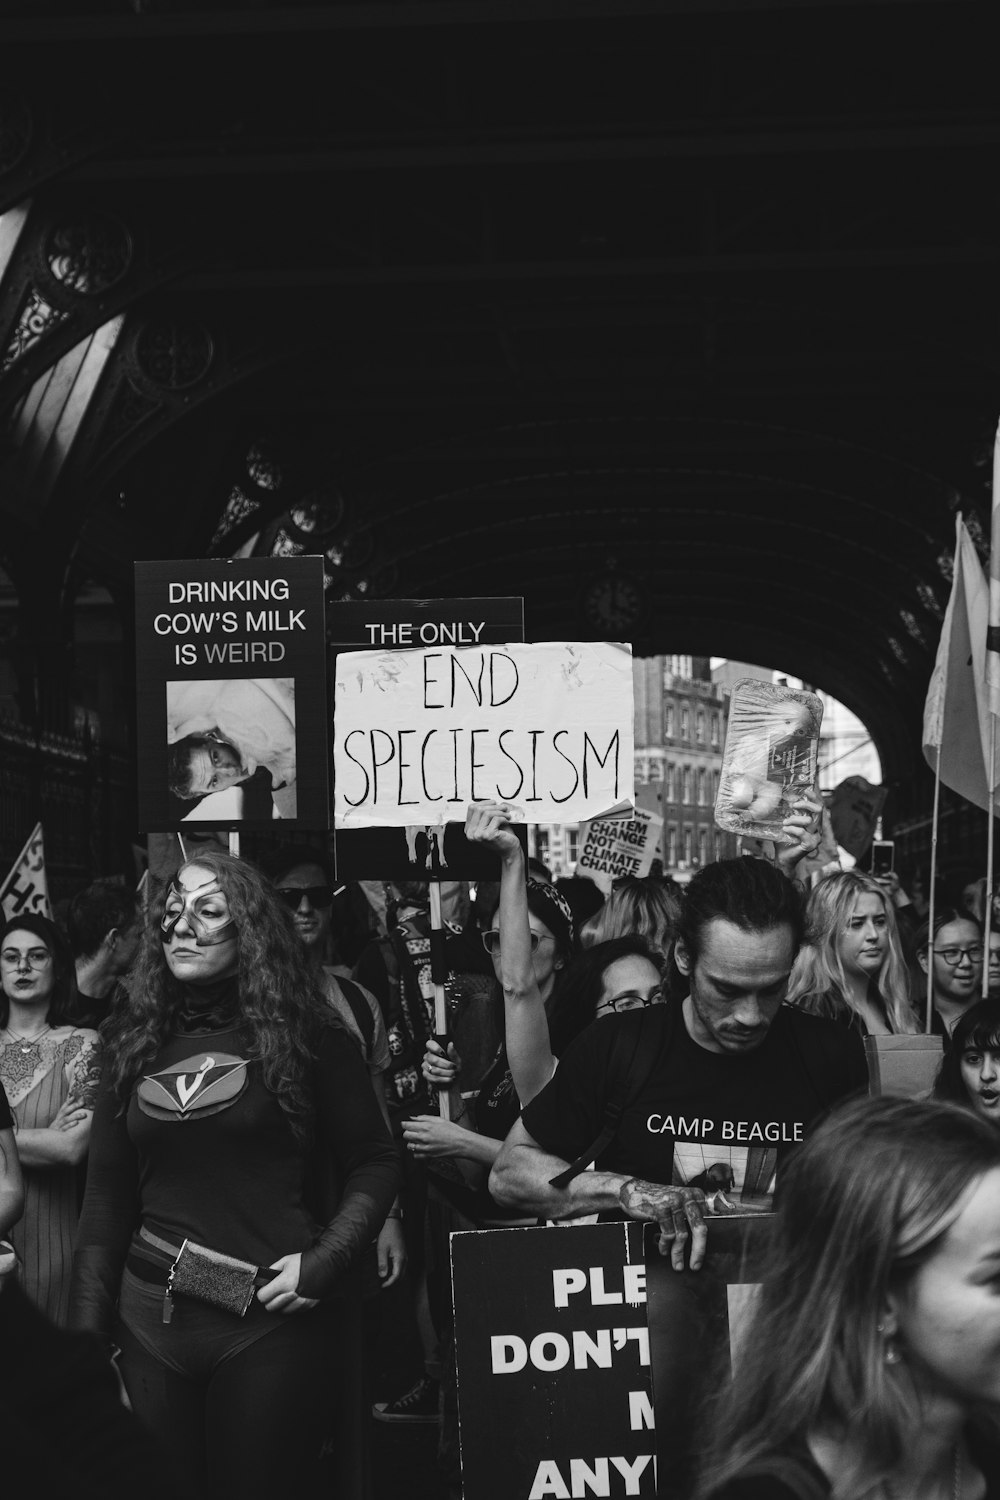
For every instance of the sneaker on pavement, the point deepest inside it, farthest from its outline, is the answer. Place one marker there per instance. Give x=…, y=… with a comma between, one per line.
x=418, y=1405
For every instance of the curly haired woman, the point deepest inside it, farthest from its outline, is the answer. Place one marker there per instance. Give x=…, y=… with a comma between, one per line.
x=236, y=1119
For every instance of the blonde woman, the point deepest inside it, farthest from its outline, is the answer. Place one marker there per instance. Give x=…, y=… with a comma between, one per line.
x=851, y=966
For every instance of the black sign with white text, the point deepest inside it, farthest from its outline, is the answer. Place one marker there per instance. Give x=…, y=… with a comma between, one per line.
x=231, y=693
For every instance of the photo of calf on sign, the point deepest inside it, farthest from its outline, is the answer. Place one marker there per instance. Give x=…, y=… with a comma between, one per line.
x=545, y=729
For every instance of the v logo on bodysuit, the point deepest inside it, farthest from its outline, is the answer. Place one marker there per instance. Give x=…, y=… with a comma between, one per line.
x=186, y=1091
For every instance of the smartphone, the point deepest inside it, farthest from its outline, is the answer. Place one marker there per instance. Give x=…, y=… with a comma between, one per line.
x=883, y=857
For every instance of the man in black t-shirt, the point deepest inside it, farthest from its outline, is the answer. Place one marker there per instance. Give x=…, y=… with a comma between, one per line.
x=736, y=1081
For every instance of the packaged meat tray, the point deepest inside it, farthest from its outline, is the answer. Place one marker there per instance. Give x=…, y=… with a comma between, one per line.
x=770, y=759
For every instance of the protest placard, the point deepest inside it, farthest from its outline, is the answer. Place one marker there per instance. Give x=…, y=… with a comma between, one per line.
x=409, y=624
x=231, y=693
x=614, y=848
x=546, y=729
x=855, y=808
x=553, y=1362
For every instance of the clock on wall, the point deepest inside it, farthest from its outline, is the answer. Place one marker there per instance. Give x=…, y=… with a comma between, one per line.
x=612, y=603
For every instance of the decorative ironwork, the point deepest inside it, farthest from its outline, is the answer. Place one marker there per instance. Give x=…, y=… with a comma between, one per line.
x=238, y=507
x=319, y=514
x=285, y=546
x=89, y=257
x=130, y=407
x=36, y=319
x=897, y=650
x=912, y=626
x=174, y=353
x=929, y=600
x=359, y=548
x=263, y=470
x=17, y=130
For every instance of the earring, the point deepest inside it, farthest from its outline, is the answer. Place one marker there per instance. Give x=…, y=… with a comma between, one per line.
x=891, y=1353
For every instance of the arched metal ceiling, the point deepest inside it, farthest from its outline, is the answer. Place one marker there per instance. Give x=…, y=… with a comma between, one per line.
x=704, y=294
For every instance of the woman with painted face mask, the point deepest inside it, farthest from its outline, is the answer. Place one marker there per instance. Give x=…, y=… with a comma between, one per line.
x=239, y=1169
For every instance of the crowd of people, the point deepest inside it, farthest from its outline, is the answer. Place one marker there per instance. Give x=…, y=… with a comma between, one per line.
x=228, y=1126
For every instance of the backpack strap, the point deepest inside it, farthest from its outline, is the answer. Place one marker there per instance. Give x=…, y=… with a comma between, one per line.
x=361, y=1011
x=629, y=1068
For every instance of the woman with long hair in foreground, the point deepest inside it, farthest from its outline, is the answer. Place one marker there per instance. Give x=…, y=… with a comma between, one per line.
x=871, y=1366
x=239, y=1169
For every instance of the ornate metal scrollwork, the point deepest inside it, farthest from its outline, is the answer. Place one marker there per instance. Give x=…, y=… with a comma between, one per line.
x=91, y=256
x=36, y=318
x=265, y=472
x=318, y=515
x=174, y=353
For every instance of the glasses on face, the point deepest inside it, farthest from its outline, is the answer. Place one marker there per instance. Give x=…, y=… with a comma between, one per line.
x=35, y=958
x=953, y=956
x=318, y=896
x=632, y=1000
x=491, y=940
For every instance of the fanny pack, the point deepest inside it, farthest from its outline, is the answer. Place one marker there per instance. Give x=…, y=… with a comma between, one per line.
x=208, y=1276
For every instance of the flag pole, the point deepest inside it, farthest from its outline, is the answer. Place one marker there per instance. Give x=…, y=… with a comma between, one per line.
x=930, y=893
x=988, y=895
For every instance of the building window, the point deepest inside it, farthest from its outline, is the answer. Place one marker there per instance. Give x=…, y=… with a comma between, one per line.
x=572, y=844
x=715, y=787
x=671, y=729
x=716, y=726
x=685, y=722
x=655, y=768
x=672, y=844
x=686, y=784
x=671, y=788
x=639, y=762
x=688, y=843
x=699, y=726
x=702, y=786
x=703, y=846
x=717, y=840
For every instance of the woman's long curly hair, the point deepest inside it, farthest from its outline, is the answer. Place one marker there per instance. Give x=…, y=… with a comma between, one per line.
x=281, y=1012
x=862, y=1205
x=818, y=981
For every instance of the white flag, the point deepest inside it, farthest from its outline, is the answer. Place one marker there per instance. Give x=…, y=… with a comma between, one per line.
x=956, y=713
x=993, y=637
x=26, y=888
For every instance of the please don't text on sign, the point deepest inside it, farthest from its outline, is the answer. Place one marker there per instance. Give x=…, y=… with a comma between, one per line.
x=419, y=734
x=551, y=1342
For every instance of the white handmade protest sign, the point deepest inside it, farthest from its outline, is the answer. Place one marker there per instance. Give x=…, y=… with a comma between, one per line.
x=546, y=729
x=613, y=848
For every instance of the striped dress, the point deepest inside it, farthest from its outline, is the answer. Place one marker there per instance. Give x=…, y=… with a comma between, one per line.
x=38, y=1079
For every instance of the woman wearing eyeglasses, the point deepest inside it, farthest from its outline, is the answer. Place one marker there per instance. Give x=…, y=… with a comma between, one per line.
x=953, y=953
x=851, y=965
x=240, y=1168
x=50, y=1071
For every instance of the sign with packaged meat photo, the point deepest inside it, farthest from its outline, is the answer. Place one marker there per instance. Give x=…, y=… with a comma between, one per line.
x=231, y=693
